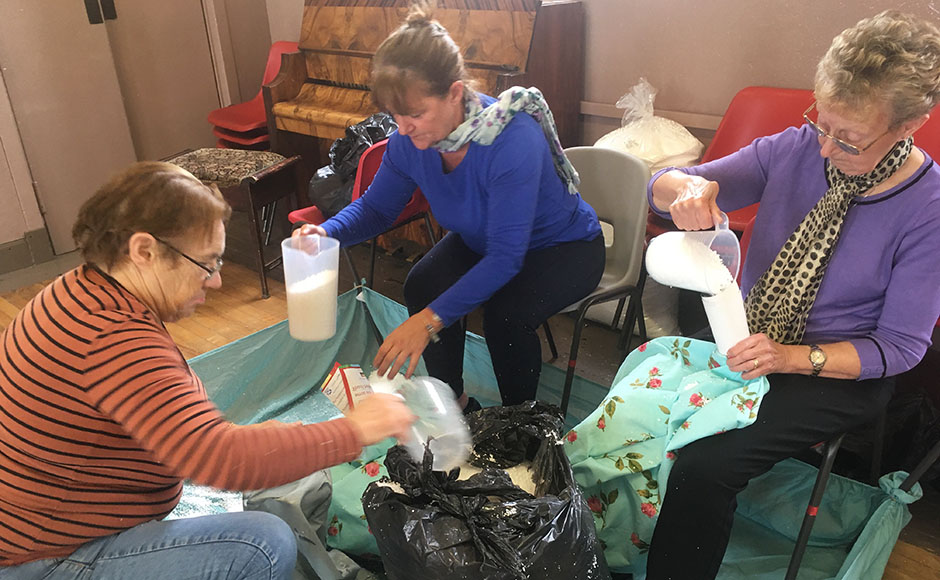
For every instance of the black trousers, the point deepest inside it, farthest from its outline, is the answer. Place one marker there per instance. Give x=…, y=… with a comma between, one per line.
x=551, y=279
x=694, y=523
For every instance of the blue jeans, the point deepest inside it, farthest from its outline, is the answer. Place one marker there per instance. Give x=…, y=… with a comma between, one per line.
x=244, y=546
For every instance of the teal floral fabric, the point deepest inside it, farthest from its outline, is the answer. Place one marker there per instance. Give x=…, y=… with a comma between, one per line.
x=483, y=125
x=347, y=528
x=668, y=393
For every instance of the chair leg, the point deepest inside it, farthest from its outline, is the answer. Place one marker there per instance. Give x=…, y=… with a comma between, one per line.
x=427, y=224
x=375, y=243
x=256, y=231
x=877, y=448
x=926, y=463
x=618, y=312
x=573, y=357
x=636, y=304
x=267, y=220
x=551, y=341
x=822, y=478
x=352, y=267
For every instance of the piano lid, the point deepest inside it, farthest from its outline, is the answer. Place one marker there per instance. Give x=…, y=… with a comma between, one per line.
x=339, y=37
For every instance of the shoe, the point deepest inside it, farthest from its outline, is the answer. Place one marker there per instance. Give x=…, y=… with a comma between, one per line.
x=472, y=405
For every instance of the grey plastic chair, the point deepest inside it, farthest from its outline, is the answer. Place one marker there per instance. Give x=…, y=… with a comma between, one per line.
x=614, y=183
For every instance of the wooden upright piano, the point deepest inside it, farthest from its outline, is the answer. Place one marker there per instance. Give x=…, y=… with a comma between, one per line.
x=323, y=88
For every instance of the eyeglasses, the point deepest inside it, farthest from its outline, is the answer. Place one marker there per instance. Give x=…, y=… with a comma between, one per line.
x=210, y=272
x=847, y=147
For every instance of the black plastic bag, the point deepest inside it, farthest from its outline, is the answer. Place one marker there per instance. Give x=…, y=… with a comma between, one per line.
x=429, y=525
x=331, y=186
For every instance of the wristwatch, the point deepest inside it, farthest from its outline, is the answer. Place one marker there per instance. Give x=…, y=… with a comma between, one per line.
x=817, y=358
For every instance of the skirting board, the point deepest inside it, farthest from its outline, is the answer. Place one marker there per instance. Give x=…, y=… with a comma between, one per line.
x=33, y=248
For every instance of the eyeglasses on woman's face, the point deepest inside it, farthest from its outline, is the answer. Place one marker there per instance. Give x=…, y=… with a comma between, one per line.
x=847, y=147
x=210, y=272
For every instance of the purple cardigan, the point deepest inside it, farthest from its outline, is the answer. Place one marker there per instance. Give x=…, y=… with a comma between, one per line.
x=881, y=290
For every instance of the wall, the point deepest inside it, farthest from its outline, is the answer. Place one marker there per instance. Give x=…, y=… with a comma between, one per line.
x=20, y=210
x=284, y=17
x=699, y=54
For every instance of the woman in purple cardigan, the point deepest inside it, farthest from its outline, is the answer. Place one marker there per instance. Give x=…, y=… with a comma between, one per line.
x=841, y=281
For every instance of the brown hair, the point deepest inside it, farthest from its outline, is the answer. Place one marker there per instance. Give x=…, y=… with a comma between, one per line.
x=150, y=196
x=420, y=53
x=892, y=58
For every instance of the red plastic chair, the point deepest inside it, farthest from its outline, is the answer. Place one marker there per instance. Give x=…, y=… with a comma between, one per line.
x=928, y=136
x=416, y=208
x=248, y=117
x=755, y=112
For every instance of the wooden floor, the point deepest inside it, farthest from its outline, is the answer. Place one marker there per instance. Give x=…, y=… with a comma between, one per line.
x=237, y=310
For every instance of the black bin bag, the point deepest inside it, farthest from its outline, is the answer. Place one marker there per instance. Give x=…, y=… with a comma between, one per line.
x=429, y=525
x=331, y=186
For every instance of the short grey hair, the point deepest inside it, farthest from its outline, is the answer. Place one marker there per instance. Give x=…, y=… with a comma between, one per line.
x=892, y=57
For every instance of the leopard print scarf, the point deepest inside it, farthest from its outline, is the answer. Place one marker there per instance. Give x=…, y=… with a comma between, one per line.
x=782, y=297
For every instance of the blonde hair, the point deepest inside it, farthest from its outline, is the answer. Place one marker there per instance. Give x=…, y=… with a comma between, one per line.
x=419, y=54
x=150, y=196
x=892, y=58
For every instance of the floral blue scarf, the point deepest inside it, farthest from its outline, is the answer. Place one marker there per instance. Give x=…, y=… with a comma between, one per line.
x=483, y=125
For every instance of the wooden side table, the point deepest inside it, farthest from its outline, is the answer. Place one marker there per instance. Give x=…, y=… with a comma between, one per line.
x=251, y=181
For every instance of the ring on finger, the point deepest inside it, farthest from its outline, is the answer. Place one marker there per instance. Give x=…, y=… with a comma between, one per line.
x=756, y=363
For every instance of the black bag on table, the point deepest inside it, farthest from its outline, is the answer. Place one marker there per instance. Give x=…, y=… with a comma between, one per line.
x=429, y=525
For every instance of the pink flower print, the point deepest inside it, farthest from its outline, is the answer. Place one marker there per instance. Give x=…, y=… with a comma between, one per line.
x=636, y=541
x=654, y=371
x=372, y=468
x=696, y=400
x=572, y=436
x=332, y=530
x=642, y=347
x=601, y=424
x=655, y=383
x=648, y=509
x=749, y=403
x=595, y=505
x=686, y=425
x=671, y=456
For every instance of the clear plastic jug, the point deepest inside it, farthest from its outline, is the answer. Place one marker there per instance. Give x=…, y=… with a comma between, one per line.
x=311, y=265
x=688, y=259
x=440, y=424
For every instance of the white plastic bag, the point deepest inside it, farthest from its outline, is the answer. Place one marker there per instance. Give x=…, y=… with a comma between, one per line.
x=658, y=141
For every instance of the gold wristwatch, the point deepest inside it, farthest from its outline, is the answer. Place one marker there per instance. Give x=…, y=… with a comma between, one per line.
x=817, y=358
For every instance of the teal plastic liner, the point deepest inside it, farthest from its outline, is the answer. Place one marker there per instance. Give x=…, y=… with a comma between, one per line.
x=269, y=375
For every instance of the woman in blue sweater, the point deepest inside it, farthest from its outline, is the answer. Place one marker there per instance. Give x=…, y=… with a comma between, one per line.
x=522, y=242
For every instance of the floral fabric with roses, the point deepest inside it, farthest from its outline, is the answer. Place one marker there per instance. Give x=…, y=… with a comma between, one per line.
x=347, y=528
x=668, y=393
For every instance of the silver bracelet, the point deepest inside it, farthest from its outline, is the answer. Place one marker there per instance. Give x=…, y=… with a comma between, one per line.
x=430, y=327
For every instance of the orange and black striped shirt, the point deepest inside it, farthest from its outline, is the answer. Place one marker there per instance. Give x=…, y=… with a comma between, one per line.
x=101, y=418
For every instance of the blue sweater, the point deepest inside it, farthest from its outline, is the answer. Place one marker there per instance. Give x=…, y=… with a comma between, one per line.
x=504, y=200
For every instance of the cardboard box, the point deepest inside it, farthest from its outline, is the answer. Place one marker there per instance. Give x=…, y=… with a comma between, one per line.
x=345, y=386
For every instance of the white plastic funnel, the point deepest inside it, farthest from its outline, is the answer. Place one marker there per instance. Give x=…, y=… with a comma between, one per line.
x=693, y=260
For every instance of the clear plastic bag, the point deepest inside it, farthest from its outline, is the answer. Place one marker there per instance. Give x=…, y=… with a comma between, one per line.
x=658, y=141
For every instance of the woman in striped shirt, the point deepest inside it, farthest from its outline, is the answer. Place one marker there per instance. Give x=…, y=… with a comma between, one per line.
x=101, y=418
